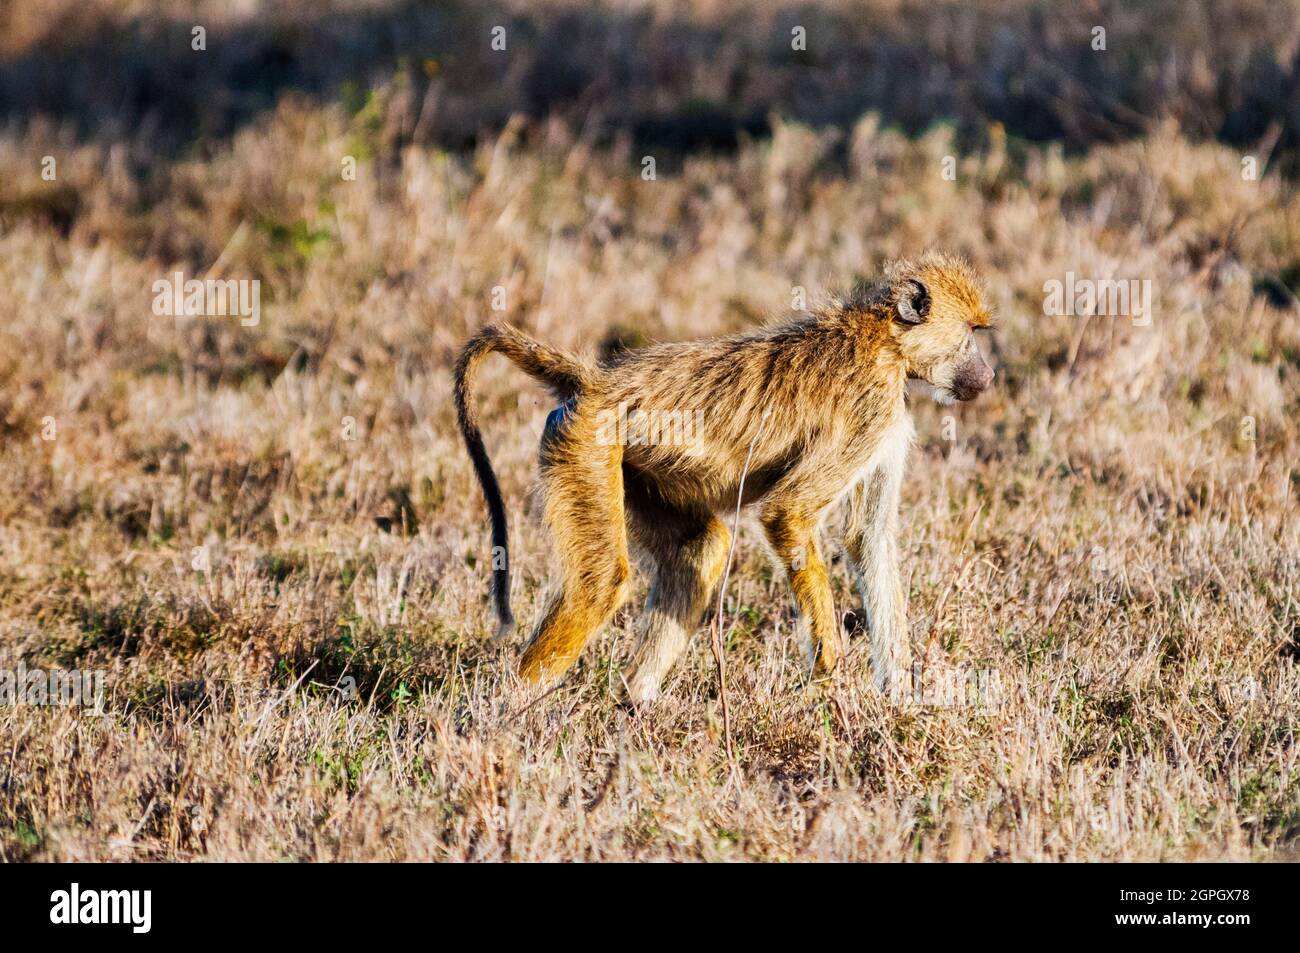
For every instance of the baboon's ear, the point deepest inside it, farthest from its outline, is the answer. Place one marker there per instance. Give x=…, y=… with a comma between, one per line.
x=912, y=303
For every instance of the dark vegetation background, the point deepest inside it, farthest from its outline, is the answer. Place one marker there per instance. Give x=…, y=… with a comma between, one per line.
x=682, y=76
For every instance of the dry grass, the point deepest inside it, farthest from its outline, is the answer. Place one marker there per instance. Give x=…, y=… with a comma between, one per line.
x=1098, y=534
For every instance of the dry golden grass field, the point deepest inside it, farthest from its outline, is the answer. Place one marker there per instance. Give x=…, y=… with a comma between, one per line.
x=270, y=541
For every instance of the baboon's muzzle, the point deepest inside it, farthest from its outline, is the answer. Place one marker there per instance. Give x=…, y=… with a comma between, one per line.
x=973, y=377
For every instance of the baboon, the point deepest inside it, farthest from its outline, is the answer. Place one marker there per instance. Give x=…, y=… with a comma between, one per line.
x=818, y=398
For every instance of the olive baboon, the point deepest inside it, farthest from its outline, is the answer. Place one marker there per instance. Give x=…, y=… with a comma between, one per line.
x=820, y=398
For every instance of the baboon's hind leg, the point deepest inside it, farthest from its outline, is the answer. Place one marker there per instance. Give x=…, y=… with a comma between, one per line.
x=583, y=492
x=689, y=551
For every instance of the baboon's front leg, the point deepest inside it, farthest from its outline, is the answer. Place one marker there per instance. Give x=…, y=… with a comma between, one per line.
x=792, y=534
x=872, y=548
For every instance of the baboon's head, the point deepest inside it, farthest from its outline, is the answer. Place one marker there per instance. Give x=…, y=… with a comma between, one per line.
x=935, y=306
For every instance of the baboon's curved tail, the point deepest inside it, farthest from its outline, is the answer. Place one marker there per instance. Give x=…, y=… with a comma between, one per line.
x=565, y=375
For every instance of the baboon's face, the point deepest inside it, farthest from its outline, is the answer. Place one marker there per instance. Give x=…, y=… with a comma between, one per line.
x=938, y=308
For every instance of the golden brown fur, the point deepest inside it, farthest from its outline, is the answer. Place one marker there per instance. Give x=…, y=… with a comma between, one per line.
x=820, y=399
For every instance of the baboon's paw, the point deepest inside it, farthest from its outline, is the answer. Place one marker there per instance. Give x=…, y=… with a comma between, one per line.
x=635, y=693
x=822, y=659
